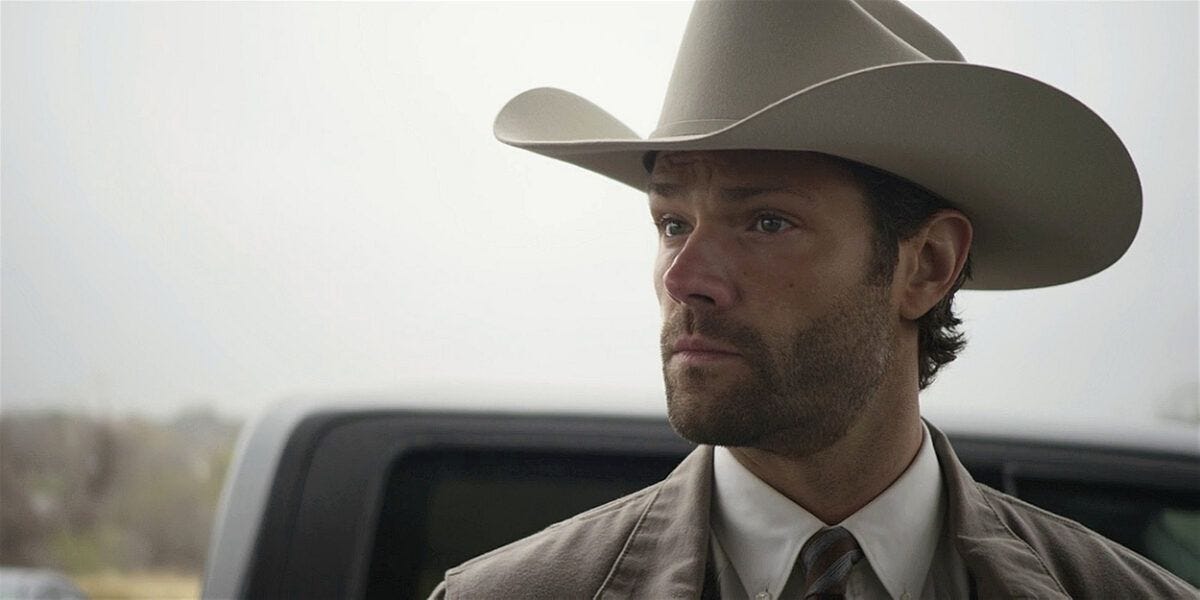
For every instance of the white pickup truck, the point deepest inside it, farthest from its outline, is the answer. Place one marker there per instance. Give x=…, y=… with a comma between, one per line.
x=344, y=499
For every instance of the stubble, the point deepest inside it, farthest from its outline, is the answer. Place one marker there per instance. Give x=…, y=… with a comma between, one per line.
x=796, y=393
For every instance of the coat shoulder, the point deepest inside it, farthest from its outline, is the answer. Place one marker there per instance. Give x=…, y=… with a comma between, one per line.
x=1085, y=563
x=569, y=559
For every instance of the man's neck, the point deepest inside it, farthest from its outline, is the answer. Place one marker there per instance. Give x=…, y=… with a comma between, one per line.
x=836, y=482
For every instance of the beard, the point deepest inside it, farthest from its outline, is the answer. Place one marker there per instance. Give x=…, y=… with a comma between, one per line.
x=796, y=393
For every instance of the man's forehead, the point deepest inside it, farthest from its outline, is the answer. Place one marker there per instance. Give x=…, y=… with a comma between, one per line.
x=765, y=167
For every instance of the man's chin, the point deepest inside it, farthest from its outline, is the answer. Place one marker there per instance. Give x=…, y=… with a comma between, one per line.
x=747, y=419
x=715, y=419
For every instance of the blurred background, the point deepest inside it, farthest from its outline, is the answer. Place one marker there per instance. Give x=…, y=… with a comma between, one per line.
x=210, y=208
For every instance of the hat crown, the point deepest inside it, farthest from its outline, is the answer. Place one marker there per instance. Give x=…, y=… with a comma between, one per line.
x=740, y=56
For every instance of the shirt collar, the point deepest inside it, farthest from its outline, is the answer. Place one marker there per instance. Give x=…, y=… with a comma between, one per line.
x=899, y=530
x=762, y=531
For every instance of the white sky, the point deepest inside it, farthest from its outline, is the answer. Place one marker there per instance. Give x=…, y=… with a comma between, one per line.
x=233, y=203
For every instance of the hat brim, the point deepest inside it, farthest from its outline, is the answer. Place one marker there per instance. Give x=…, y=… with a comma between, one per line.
x=1050, y=189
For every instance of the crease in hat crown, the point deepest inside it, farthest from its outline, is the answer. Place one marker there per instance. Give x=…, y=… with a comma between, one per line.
x=797, y=45
x=1051, y=190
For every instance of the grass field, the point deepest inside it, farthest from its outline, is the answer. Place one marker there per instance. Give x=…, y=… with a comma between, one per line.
x=112, y=585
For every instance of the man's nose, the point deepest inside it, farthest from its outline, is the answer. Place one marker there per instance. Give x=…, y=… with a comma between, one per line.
x=699, y=276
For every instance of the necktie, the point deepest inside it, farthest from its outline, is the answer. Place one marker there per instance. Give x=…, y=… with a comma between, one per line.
x=828, y=557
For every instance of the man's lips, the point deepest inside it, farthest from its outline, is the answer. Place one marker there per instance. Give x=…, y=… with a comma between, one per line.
x=698, y=348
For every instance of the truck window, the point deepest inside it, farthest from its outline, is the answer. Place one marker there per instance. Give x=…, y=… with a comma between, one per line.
x=444, y=507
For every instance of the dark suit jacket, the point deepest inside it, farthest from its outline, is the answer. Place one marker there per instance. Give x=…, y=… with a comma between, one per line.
x=654, y=544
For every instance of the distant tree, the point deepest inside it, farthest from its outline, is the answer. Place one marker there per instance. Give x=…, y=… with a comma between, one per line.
x=80, y=494
x=19, y=524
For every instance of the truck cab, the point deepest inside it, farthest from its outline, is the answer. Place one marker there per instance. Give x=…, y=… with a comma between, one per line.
x=345, y=498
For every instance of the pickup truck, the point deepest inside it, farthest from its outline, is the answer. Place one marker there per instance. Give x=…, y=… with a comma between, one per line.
x=376, y=499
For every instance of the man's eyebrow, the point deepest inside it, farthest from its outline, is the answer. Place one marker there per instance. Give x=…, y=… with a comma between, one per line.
x=668, y=190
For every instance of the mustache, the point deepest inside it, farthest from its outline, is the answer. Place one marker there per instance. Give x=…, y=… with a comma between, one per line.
x=718, y=329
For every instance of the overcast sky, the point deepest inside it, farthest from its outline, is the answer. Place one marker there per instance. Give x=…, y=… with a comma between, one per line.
x=233, y=203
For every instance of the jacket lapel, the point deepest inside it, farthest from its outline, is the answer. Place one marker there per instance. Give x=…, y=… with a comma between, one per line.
x=666, y=554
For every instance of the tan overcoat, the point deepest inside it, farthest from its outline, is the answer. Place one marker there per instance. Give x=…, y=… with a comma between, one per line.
x=654, y=544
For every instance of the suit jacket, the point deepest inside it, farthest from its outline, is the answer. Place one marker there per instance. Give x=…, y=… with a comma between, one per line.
x=654, y=543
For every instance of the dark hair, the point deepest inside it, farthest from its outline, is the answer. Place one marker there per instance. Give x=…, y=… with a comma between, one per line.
x=898, y=209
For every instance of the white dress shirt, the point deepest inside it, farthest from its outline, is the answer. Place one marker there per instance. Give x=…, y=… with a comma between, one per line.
x=757, y=533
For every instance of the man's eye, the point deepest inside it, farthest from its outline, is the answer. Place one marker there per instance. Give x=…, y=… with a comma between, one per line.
x=671, y=227
x=770, y=224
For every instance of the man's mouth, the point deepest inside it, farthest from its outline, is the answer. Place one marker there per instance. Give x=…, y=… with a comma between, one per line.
x=697, y=349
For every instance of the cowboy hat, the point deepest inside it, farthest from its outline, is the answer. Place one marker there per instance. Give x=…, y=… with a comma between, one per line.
x=1050, y=189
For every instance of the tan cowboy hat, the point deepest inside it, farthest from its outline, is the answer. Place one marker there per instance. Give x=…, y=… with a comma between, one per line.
x=1051, y=190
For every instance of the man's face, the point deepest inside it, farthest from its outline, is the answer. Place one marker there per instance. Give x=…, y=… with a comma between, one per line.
x=774, y=334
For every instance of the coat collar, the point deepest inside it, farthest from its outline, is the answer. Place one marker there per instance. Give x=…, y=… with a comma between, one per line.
x=665, y=555
x=1001, y=564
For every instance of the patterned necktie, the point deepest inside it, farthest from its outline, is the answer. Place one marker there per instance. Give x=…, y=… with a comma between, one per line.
x=828, y=557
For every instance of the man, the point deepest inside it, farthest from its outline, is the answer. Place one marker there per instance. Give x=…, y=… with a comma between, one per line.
x=824, y=177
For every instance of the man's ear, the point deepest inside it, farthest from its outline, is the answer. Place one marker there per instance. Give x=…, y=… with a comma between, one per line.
x=930, y=262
